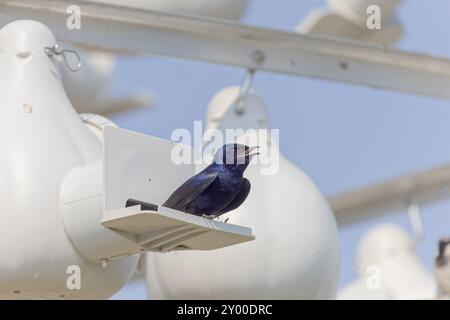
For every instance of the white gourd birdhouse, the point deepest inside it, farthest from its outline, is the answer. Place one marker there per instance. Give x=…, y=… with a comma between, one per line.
x=389, y=268
x=42, y=138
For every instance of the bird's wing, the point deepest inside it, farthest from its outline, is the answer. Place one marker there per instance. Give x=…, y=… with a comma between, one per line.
x=189, y=190
x=239, y=198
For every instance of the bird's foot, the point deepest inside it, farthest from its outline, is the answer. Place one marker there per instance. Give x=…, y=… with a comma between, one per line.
x=209, y=216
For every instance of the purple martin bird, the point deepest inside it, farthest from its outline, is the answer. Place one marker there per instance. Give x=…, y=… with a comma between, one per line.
x=442, y=269
x=217, y=189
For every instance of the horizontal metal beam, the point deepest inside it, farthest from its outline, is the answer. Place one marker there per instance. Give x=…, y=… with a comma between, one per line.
x=128, y=30
x=392, y=196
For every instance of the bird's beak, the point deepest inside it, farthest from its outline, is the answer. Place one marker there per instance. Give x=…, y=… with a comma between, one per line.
x=250, y=152
x=443, y=243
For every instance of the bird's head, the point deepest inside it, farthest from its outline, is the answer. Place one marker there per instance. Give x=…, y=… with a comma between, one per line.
x=235, y=155
x=444, y=252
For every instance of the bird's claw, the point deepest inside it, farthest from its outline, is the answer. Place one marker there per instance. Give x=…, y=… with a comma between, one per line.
x=209, y=216
x=212, y=217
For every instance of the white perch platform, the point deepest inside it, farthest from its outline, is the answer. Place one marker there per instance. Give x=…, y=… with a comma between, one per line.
x=168, y=230
x=111, y=208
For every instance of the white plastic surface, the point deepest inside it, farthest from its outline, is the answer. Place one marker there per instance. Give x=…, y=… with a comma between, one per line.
x=96, y=123
x=138, y=166
x=295, y=254
x=82, y=212
x=42, y=139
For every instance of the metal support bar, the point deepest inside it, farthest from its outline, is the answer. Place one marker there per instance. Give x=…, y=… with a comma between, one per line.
x=245, y=88
x=127, y=30
x=392, y=196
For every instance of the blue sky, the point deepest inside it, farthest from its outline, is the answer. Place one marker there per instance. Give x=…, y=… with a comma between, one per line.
x=342, y=136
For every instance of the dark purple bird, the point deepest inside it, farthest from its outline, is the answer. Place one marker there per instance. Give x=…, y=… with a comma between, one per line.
x=219, y=188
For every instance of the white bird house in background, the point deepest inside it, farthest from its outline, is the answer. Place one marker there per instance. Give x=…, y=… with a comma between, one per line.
x=295, y=254
x=389, y=268
x=366, y=20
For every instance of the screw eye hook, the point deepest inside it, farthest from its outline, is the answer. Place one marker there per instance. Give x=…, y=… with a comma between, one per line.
x=58, y=50
x=245, y=88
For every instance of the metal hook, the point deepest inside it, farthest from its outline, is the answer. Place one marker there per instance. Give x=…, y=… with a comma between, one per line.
x=415, y=219
x=245, y=88
x=57, y=50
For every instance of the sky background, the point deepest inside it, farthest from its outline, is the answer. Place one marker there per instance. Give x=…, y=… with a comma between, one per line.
x=343, y=136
